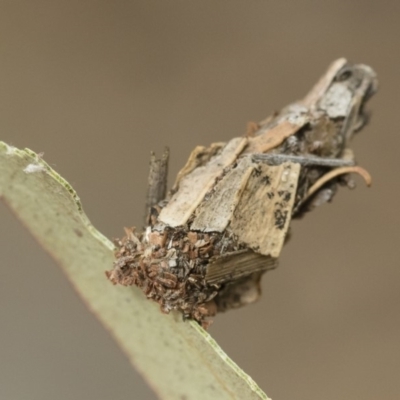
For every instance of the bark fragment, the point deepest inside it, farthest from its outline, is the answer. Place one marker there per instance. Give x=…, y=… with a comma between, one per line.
x=261, y=219
x=194, y=185
x=215, y=213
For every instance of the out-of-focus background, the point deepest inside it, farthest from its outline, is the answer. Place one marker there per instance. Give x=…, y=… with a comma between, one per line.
x=97, y=85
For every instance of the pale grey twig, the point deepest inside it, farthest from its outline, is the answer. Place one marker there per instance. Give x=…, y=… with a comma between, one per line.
x=305, y=160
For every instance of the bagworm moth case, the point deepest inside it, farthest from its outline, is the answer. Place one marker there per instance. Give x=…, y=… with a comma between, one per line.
x=227, y=217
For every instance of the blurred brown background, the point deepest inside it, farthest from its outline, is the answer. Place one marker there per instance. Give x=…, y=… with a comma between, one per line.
x=97, y=85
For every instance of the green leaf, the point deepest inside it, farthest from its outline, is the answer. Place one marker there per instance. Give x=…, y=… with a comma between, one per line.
x=178, y=359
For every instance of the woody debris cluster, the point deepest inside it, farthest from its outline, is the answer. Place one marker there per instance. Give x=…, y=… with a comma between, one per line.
x=223, y=224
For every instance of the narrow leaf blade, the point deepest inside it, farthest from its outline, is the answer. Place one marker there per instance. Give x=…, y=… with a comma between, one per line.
x=178, y=359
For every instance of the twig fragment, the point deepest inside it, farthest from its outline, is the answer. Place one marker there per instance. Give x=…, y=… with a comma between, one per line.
x=337, y=172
